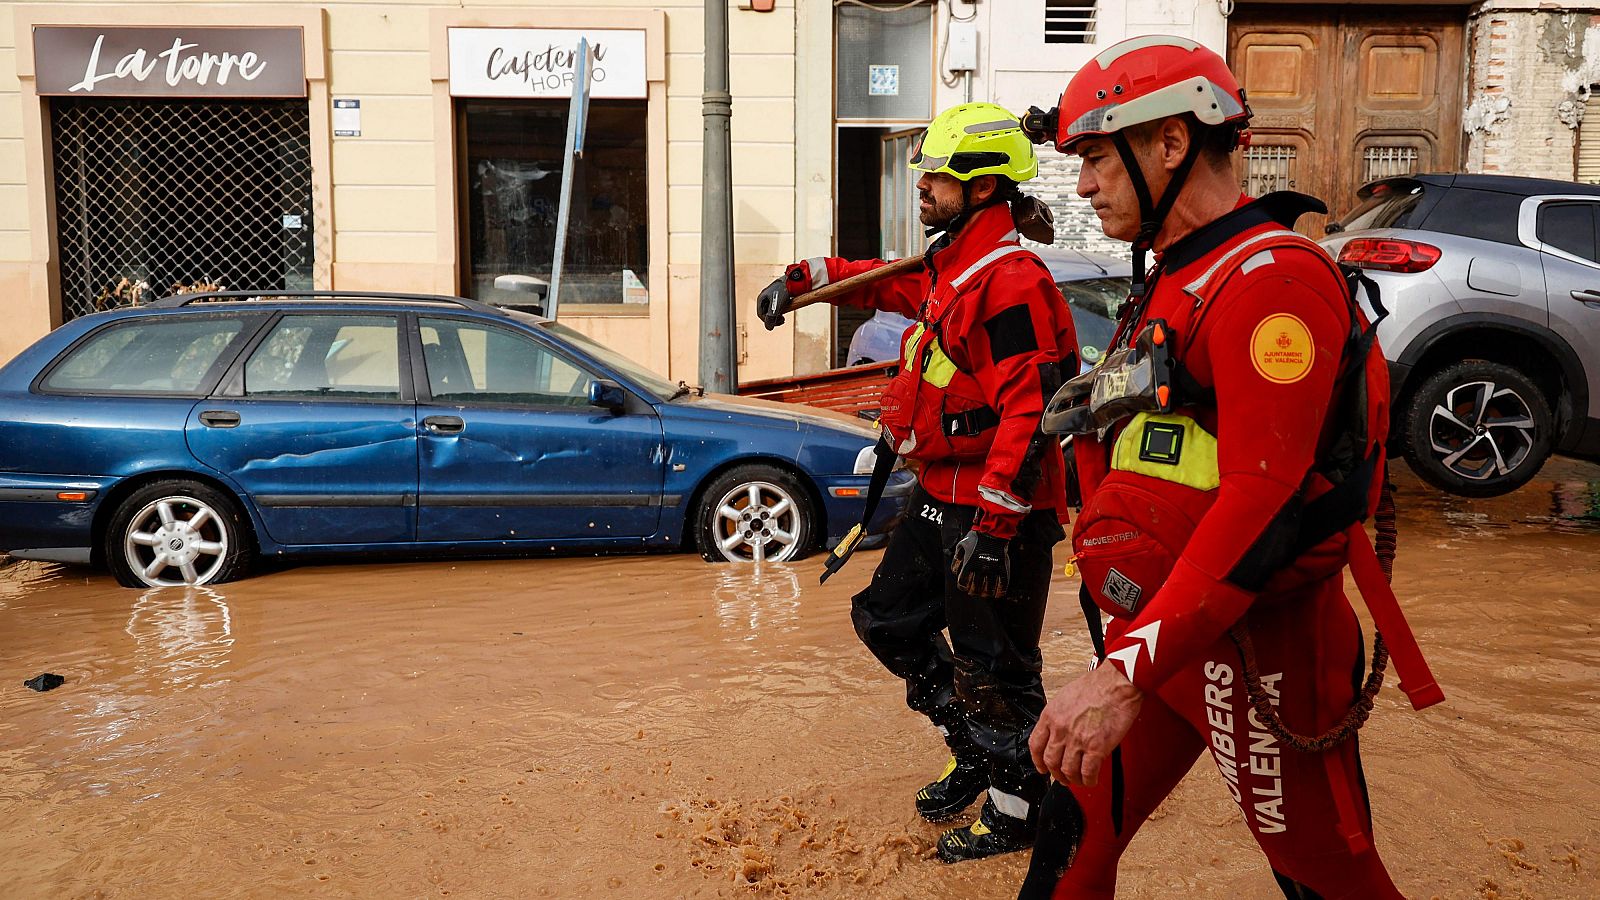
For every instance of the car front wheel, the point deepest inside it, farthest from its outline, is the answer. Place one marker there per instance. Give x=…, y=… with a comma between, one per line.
x=177, y=533
x=755, y=513
x=1478, y=429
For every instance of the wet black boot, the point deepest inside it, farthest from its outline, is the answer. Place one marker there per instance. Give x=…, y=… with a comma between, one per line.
x=965, y=777
x=992, y=834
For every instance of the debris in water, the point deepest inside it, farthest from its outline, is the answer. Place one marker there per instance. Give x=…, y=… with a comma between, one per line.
x=47, y=681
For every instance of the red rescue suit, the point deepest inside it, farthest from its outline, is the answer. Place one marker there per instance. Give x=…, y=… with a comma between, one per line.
x=967, y=400
x=1182, y=538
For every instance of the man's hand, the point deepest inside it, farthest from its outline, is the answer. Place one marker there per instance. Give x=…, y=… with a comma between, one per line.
x=1083, y=723
x=981, y=565
x=772, y=302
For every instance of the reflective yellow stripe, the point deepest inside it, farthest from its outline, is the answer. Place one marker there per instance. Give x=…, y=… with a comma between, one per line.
x=940, y=369
x=1197, y=462
x=912, y=340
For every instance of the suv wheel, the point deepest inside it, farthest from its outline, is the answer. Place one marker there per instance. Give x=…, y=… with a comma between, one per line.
x=1479, y=429
x=755, y=513
x=176, y=533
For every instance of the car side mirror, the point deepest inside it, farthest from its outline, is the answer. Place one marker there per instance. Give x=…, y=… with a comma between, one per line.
x=608, y=395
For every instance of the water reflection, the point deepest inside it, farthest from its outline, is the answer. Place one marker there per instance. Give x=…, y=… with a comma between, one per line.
x=760, y=598
x=1578, y=501
x=180, y=634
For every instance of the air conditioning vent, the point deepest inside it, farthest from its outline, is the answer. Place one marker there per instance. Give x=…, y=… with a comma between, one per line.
x=1070, y=21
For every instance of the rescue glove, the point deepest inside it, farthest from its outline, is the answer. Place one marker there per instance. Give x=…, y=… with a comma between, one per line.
x=982, y=565
x=772, y=302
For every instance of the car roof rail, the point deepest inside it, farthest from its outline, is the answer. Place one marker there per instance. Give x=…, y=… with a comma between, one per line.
x=179, y=300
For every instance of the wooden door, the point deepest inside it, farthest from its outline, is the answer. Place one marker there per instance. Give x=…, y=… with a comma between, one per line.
x=1346, y=95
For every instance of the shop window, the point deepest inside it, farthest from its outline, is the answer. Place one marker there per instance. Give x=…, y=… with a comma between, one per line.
x=512, y=194
x=884, y=60
x=153, y=196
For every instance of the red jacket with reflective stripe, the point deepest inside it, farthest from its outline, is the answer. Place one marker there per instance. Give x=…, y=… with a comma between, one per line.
x=1269, y=345
x=1006, y=326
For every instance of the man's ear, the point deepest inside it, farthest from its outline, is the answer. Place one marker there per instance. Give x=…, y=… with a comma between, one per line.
x=1175, y=138
x=983, y=187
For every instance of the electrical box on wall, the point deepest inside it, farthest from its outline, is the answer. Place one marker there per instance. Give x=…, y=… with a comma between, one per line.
x=758, y=5
x=961, y=49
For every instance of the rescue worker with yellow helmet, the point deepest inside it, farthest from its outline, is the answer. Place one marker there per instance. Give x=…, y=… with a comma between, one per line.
x=993, y=340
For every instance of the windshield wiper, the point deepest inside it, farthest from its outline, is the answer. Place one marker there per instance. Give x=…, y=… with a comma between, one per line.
x=684, y=389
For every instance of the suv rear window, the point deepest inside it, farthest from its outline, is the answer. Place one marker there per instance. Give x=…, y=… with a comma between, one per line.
x=148, y=355
x=1486, y=215
x=1384, y=204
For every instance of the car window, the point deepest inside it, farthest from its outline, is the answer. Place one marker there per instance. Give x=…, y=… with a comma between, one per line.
x=1486, y=215
x=1094, y=303
x=327, y=356
x=469, y=362
x=1569, y=227
x=148, y=355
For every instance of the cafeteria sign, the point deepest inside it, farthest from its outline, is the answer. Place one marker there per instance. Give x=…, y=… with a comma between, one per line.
x=538, y=62
x=78, y=61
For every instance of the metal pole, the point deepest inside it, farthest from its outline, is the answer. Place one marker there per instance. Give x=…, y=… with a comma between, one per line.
x=718, y=366
x=577, y=116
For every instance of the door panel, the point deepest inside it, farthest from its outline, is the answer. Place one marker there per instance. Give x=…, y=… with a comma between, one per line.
x=1394, y=107
x=321, y=432
x=529, y=458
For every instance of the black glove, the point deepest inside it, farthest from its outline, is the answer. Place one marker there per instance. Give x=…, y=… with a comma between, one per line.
x=772, y=302
x=981, y=565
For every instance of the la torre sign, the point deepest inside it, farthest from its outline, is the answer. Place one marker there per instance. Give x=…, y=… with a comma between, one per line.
x=538, y=62
x=79, y=61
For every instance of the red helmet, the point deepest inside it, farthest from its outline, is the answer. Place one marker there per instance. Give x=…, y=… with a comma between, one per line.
x=1147, y=78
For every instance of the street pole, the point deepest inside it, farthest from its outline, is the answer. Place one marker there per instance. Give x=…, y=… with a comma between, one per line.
x=577, y=127
x=718, y=367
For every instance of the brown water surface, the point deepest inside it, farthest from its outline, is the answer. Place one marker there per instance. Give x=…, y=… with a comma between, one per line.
x=659, y=727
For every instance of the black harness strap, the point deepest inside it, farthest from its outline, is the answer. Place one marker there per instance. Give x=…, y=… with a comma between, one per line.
x=1097, y=635
x=882, y=466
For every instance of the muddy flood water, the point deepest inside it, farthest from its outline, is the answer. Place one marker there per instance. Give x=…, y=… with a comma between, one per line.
x=660, y=727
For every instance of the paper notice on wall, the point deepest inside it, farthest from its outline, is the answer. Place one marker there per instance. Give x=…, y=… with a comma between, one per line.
x=346, y=117
x=633, y=290
x=883, y=81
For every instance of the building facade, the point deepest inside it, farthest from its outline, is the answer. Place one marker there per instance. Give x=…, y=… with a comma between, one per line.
x=413, y=146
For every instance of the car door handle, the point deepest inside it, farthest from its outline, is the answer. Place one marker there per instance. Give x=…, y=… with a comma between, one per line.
x=219, y=418
x=444, y=424
x=1587, y=296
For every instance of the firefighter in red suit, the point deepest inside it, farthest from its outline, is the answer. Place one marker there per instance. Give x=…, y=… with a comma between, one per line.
x=1202, y=532
x=992, y=341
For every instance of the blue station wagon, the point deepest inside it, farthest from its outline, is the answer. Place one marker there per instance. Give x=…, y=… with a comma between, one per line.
x=177, y=442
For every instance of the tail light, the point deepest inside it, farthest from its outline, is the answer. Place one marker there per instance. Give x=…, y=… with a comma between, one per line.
x=1389, y=255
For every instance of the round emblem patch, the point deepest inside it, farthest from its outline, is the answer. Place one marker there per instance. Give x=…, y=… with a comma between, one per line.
x=1281, y=349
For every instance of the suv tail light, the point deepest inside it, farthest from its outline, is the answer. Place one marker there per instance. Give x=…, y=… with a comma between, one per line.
x=1389, y=255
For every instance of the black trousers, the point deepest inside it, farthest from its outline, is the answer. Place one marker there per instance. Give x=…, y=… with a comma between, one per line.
x=983, y=683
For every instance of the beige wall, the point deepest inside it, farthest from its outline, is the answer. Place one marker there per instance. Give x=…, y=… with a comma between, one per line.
x=383, y=196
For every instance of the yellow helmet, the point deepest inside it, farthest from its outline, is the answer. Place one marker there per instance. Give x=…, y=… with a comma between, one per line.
x=975, y=139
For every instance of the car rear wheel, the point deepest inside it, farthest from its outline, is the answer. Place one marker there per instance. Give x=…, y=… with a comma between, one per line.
x=176, y=533
x=1479, y=429
x=755, y=513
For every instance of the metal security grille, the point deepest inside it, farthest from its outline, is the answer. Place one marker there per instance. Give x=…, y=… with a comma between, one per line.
x=1589, y=139
x=1070, y=21
x=1387, y=162
x=1268, y=168
x=156, y=196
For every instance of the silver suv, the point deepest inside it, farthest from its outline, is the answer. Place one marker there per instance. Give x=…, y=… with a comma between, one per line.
x=1493, y=336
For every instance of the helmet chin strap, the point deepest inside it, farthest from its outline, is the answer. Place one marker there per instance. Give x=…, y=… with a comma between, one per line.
x=1151, y=214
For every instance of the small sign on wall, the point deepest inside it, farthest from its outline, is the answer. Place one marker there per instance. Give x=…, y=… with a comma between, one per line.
x=883, y=81
x=538, y=62
x=346, y=117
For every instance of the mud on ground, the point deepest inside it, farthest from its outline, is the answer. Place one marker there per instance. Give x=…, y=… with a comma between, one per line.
x=658, y=727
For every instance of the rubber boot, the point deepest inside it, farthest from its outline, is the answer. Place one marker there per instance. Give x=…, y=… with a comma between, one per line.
x=965, y=777
x=992, y=834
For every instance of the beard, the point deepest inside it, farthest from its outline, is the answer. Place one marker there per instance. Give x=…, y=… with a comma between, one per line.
x=939, y=215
